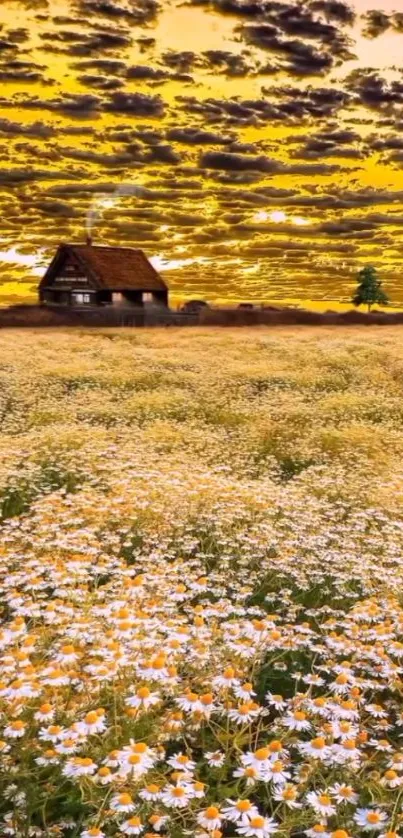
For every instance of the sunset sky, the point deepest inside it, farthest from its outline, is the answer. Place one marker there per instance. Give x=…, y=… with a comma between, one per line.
x=252, y=148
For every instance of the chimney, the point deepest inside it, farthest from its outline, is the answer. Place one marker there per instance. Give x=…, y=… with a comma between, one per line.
x=89, y=241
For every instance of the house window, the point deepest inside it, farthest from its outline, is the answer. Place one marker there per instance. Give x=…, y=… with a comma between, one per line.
x=147, y=297
x=117, y=297
x=81, y=297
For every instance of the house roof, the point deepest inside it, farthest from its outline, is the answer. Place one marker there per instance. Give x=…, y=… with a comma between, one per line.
x=117, y=268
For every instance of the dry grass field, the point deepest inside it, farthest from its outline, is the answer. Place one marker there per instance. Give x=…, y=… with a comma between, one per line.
x=201, y=582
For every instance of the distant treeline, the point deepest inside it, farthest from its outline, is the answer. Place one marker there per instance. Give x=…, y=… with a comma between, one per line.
x=291, y=316
x=39, y=316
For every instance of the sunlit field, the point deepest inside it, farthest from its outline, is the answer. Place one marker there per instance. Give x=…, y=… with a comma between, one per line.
x=201, y=583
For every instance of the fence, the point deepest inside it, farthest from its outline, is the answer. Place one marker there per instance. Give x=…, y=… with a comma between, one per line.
x=48, y=316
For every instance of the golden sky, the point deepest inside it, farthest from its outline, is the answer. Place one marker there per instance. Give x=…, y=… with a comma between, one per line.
x=252, y=148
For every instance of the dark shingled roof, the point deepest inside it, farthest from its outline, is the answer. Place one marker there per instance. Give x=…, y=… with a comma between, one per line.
x=113, y=267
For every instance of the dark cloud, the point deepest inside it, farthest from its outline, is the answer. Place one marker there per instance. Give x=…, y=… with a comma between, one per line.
x=100, y=82
x=77, y=105
x=287, y=104
x=239, y=162
x=35, y=129
x=348, y=227
x=196, y=136
x=142, y=11
x=297, y=104
x=388, y=143
x=377, y=22
x=55, y=208
x=334, y=10
x=21, y=71
x=229, y=63
x=317, y=151
x=77, y=130
x=114, y=159
x=236, y=178
x=148, y=134
x=184, y=61
x=102, y=65
x=13, y=177
x=143, y=71
x=396, y=157
x=7, y=45
x=302, y=59
x=232, y=111
x=373, y=91
x=328, y=144
x=146, y=43
x=285, y=27
x=83, y=106
x=138, y=104
x=18, y=36
x=85, y=43
x=164, y=154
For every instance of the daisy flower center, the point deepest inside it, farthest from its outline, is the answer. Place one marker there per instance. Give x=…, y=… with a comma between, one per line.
x=262, y=753
x=140, y=748
x=243, y=806
x=143, y=692
x=257, y=822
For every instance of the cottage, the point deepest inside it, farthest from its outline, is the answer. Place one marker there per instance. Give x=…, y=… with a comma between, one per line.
x=85, y=275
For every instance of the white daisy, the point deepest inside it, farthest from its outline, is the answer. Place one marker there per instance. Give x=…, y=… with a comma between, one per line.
x=143, y=698
x=122, y=802
x=318, y=831
x=210, y=818
x=215, y=759
x=316, y=748
x=343, y=793
x=287, y=795
x=321, y=803
x=370, y=819
x=78, y=767
x=150, y=792
x=240, y=811
x=276, y=701
x=133, y=826
x=296, y=721
x=258, y=827
x=182, y=762
x=177, y=796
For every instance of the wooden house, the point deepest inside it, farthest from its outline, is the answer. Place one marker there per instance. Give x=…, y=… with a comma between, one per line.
x=85, y=275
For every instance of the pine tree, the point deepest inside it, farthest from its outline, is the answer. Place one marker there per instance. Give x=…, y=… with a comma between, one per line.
x=369, y=289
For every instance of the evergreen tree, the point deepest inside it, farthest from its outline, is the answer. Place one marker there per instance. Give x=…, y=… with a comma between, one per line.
x=369, y=289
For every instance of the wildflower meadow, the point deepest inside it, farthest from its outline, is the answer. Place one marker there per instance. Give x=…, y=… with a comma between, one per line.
x=201, y=599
